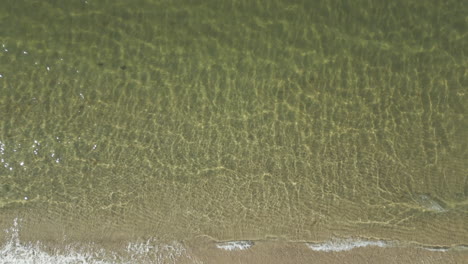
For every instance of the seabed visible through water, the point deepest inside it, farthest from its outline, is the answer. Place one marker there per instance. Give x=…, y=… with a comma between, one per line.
x=244, y=131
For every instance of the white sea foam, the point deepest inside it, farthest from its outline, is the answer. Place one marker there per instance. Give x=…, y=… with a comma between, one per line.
x=235, y=245
x=346, y=244
x=151, y=251
x=15, y=251
x=436, y=249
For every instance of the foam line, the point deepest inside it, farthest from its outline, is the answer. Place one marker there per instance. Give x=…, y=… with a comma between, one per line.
x=235, y=245
x=345, y=244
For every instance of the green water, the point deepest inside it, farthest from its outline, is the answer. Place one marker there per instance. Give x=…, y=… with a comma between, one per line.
x=234, y=119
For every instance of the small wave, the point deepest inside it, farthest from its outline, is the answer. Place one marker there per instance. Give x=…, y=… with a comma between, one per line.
x=437, y=249
x=235, y=245
x=346, y=244
x=445, y=248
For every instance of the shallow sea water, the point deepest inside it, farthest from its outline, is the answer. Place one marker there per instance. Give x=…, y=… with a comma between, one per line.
x=151, y=131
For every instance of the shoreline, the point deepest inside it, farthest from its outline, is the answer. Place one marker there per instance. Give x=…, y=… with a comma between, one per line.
x=284, y=252
x=263, y=252
x=205, y=249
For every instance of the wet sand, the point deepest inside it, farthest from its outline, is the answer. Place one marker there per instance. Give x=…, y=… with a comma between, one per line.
x=16, y=248
x=281, y=252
